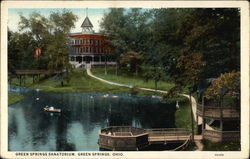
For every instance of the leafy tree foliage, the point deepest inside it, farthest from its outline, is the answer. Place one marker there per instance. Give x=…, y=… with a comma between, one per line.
x=128, y=29
x=229, y=81
x=20, y=50
x=132, y=60
x=50, y=34
x=155, y=73
x=189, y=69
x=189, y=44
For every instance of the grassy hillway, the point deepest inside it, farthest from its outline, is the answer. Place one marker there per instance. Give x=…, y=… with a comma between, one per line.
x=79, y=82
x=128, y=78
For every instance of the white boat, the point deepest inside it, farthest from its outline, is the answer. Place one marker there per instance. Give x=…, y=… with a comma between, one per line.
x=51, y=109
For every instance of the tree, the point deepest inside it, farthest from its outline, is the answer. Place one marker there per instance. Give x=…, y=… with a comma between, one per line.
x=20, y=51
x=51, y=35
x=132, y=60
x=189, y=69
x=215, y=33
x=58, y=56
x=128, y=29
x=229, y=81
x=155, y=73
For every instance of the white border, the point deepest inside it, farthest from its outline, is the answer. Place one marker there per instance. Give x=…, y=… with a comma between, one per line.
x=244, y=5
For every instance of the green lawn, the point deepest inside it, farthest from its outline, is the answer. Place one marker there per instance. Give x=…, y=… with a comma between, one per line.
x=79, y=82
x=13, y=98
x=126, y=78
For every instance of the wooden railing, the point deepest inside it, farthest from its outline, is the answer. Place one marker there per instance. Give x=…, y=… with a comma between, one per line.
x=216, y=112
x=123, y=138
x=218, y=136
x=168, y=132
x=123, y=129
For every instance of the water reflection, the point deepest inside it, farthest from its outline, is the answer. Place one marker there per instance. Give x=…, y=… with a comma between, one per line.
x=83, y=115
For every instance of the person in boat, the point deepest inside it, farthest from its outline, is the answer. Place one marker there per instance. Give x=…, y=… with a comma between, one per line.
x=51, y=108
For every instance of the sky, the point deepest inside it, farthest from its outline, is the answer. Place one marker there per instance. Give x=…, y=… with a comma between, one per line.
x=95, y=16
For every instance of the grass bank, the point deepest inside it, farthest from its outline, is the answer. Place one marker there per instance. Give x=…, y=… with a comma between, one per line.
x=13, y=98
x=182, y=116
x=128, y=78
x=79, y=82
x=221, y=146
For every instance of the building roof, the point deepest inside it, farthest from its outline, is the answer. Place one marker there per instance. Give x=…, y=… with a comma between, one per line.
x=86, y=23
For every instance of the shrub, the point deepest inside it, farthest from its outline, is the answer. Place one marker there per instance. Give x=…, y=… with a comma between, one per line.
x=134, y=90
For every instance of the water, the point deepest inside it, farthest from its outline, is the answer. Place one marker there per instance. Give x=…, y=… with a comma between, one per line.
x=83, y=115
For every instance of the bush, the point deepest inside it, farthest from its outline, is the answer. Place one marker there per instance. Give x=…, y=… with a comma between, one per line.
x=134, y=90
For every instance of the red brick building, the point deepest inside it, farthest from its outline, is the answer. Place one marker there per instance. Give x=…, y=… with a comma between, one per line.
x=88, y=47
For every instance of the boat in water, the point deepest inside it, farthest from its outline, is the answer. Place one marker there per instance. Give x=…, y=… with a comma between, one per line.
x=52, y=109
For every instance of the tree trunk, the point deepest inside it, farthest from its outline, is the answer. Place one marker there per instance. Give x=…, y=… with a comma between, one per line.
x=136, y=70
x=203, y=114
x=105, y=65
x=221, y=114
x=116, y=69
x=62, y=83
x=192, y=137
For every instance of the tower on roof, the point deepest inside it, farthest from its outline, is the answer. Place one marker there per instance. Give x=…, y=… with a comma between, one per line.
x=87, y=26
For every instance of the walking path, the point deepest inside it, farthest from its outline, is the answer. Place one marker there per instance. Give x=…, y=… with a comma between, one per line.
x=193, y=101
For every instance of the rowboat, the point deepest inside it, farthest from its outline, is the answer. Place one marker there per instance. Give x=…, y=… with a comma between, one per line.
x=51, y=109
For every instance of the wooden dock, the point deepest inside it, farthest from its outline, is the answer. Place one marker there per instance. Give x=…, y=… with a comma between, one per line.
x=130, y=138
x=21, y=74
x=169, y=135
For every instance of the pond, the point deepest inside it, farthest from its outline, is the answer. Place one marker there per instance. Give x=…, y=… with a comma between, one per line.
x=83, y=115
